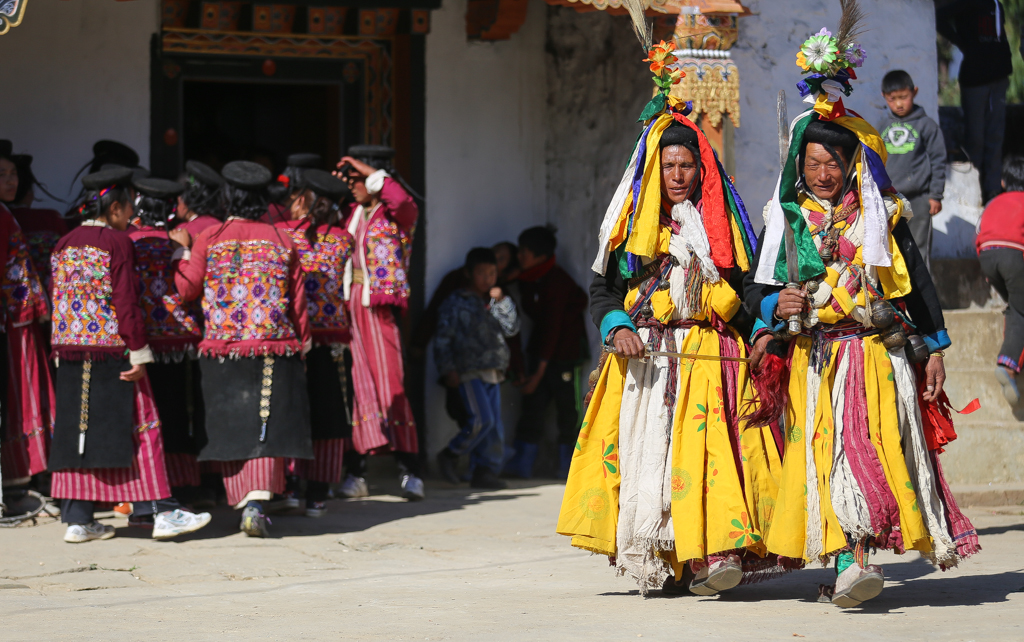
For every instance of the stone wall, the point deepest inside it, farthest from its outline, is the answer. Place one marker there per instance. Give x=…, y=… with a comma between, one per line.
x=597, y=86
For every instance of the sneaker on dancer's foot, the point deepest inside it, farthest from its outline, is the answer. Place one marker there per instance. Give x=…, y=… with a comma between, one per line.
x=315, y=509
x=283, y=503
x=720, y=576
x=176, y=522
x=78, y=533
x=254, y=522
x=412, y=487
x=354, y=487
x=855, y=585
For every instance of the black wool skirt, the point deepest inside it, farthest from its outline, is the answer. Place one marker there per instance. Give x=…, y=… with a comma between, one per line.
x=110, y=408
x=330, y=393
x=245, y=419
x=178, y=394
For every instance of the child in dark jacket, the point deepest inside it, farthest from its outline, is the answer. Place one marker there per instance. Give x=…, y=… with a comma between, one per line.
x=917, y=156
x=472, y=356
x=555, y=352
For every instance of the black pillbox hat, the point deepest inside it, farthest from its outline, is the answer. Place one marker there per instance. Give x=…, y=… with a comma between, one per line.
x=305, y=161
x=247, y=175
x=158, y=187
x=203, y=173
x=111, y=151
x=113, y=177
x=325, y=184
x=371, y=151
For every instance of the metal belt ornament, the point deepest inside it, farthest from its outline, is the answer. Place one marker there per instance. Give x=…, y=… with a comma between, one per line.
x=83, y=418
x=265, y=390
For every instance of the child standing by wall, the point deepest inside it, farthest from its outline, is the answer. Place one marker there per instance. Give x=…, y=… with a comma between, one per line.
x=917, y=156
x=471, y=355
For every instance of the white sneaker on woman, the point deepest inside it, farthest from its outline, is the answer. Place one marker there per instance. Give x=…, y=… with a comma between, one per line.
x=176, y=522
x=412, y=488
x=354, y=487
x=78, y=533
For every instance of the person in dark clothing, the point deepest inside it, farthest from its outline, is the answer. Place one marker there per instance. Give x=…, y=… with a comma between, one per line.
x=1000, y=245
x=917, y=155
x=976, y=27
x=555, y=352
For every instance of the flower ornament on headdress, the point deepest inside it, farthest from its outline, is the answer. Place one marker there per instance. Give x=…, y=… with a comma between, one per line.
x=630, y=229
x=830, y=61
x=666, y=74
x=825, y=91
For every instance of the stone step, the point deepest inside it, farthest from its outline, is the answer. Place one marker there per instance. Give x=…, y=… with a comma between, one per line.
x=990, y=447
x=989, y=495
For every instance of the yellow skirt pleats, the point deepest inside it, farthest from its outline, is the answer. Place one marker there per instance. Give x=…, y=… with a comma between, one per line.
x=805, y=524
x=719, y=501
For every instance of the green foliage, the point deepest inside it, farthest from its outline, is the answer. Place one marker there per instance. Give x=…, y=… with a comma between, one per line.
x=1014, y=20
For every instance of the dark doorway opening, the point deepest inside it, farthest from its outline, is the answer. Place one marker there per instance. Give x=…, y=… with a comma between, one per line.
x=262, y=122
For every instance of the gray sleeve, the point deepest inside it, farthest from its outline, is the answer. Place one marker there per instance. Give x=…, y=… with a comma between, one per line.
x=505, y=312
x=937, y=156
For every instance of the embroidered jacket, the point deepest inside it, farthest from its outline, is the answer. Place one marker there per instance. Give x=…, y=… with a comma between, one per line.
x=385, y=242
x=42, y=229
x=20, y=291
x=250, y=279
x=324, y=269
x=95, y=304
x=171, y=326
x=198, y=224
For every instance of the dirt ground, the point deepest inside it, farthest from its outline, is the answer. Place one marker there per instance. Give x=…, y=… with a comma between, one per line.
x=459, y=566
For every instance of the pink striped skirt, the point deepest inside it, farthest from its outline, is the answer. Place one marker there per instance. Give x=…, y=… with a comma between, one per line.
x=182, y=470
x=326, y=465
x=241, y=477
x=30, y=405
x=382, y=418
x=146, y=479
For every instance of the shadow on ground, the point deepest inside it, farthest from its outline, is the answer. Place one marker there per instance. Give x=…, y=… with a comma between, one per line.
x=356, y=515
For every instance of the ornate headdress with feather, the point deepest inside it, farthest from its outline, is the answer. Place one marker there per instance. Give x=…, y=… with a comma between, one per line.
x=829, y=62
x=631, y=223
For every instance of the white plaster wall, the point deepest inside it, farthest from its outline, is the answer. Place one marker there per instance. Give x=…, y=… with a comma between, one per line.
x=485, y=138
x=901, y=35
x=72, y=73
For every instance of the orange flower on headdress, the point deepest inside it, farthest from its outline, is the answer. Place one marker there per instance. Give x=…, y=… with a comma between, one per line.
x=801, y=61
x=660, y=56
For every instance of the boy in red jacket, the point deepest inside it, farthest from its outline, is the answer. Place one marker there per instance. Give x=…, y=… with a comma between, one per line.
x=1000, y=244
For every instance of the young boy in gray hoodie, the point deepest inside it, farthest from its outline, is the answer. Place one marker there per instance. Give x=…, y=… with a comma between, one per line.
x=917, y=156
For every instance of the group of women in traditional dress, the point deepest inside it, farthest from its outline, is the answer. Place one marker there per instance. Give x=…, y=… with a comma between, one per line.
x=231, y=323
x=764, y=402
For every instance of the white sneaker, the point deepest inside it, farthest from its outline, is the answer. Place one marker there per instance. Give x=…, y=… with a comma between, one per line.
x=78, y=533
x=856, y=585
x=354, y=487
x=412, y=488
x=175, y=522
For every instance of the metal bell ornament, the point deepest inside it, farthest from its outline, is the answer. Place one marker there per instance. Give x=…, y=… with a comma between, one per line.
x=916, y=349
x=893, y=337
x=882, y=315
